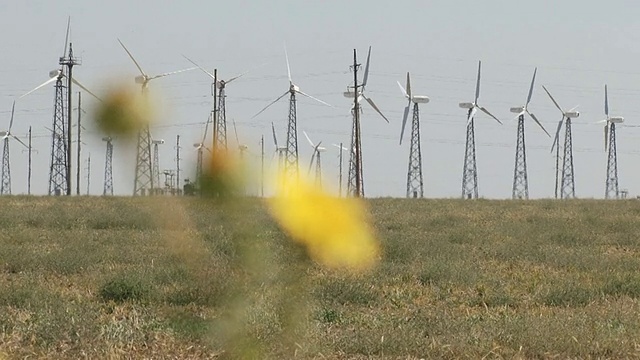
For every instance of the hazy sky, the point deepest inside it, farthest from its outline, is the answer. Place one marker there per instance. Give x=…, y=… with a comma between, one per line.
x=578, y=46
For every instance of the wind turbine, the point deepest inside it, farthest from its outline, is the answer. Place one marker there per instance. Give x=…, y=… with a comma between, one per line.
x=144, y=177
x=220, y=123
x=315, y=156
x=156, y=166
x=611, y=189
x=355, y=185
x=281, y=151
x=520, y=182
x=5, y=186
x=200, y=147
x=291, y=158
x=470, y=170
x=415, y=185
x=567, y=185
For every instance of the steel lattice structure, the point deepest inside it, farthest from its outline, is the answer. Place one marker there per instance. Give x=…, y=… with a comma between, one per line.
x=291, y=155
x=220, y=126
x=415, y=186
x=611, y=191
x=5, y=186
x=470, y=169
x=520, y=182
x=108, y=168
x=567, y=185
x=58, y=169
x=156, y=165
x=143, y=182
x=355, y=185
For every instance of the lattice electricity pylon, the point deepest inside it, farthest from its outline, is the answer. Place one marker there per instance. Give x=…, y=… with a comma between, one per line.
x=415, y=185
x=58, y=170
x=568, y=186
x=108, y=167
x=611, y=191
x=5, y=187
x=220, y=143
x=470, y=169
x=520, y=182
x=156, y=163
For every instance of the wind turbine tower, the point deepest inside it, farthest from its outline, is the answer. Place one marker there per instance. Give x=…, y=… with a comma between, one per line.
x=200, y=148
x=156, y=163
x=355, y=185
x=108, y=167
x=470, y=170
x=291, y=158
x=567, y=182
x=315, y=156
x=144, y=176
x=281, y=151
x=611, y=191
x=520, y=181
x=415, y=184
x=5, y=186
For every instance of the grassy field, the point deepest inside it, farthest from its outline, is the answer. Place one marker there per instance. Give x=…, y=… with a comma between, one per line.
x=188, y=278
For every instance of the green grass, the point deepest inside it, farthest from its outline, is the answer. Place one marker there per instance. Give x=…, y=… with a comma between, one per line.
x=193, y=278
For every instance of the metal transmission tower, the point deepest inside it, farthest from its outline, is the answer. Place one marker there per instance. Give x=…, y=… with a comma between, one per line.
x=144, y=176
x=315, y=157
x=5, y=186
x=108, y=167
x=415, y=184
x=567, y=183
x=291, y=158
x=220, y=123
x=470, y=170
x=156, y=164
x=611, y=189
x=355, y=185
x=520, y=181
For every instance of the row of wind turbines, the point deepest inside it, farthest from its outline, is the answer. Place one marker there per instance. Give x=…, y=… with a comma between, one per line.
x=288, y=156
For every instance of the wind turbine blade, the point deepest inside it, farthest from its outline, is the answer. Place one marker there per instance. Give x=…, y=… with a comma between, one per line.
x=308, y=139
x=206, y=127
x=342, y=148
x=366, y=69
x=171, y=73
x=66, y=39
x=404, y=92
x=199, y=67
x=132, y=58
x=533, y=81
x=552, y=99
x=237, y=77
x=478, y=82
x=311, y=97
x=556, y=139
x=235, y=130
x=20, y=141
x=606, y=102
x=408, y=86
x=311, y=162
x=271, y=103
x=84, y=88
x=39, y=86
x=286, y=56
x=490, y=114
x=404, y=121
x=13, y=108
x=538, y=122
x=472, y=113
x=275, y=139
x=373, y=105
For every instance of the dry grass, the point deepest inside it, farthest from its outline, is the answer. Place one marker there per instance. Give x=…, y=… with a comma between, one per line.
x=189, y=278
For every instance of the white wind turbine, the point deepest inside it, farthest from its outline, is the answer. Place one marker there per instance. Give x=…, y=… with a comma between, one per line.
x=315, y=156
x=144, y=176
x=200, y=148
x=5, y=186
x=611, y=185
x=291, y=158
x=280, y=151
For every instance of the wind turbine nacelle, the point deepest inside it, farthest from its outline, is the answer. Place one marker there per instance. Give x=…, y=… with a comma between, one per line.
x=420, y=99
x=517, y=110
x=4, y=133
x=160, y=141
x=196, y=145
x=349, y=94
x=466, y=105
x=140, y=79
x=617, y=119
x=572, y=114
x=106, y=138
x=54, y=73
x=322, y=149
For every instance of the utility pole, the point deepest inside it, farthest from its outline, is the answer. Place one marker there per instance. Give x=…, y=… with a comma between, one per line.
x=29, y=174
x=178, y=164
x=262, y=167
x=340, y=173
x=79, y=144
x=88, y=172
x=214, y=148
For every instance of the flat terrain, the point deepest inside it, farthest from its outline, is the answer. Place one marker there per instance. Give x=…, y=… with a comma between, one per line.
x=190, y=278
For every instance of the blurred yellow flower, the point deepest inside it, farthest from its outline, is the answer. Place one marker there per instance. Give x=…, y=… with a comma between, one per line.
x=123, y=111
x=334, y=230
